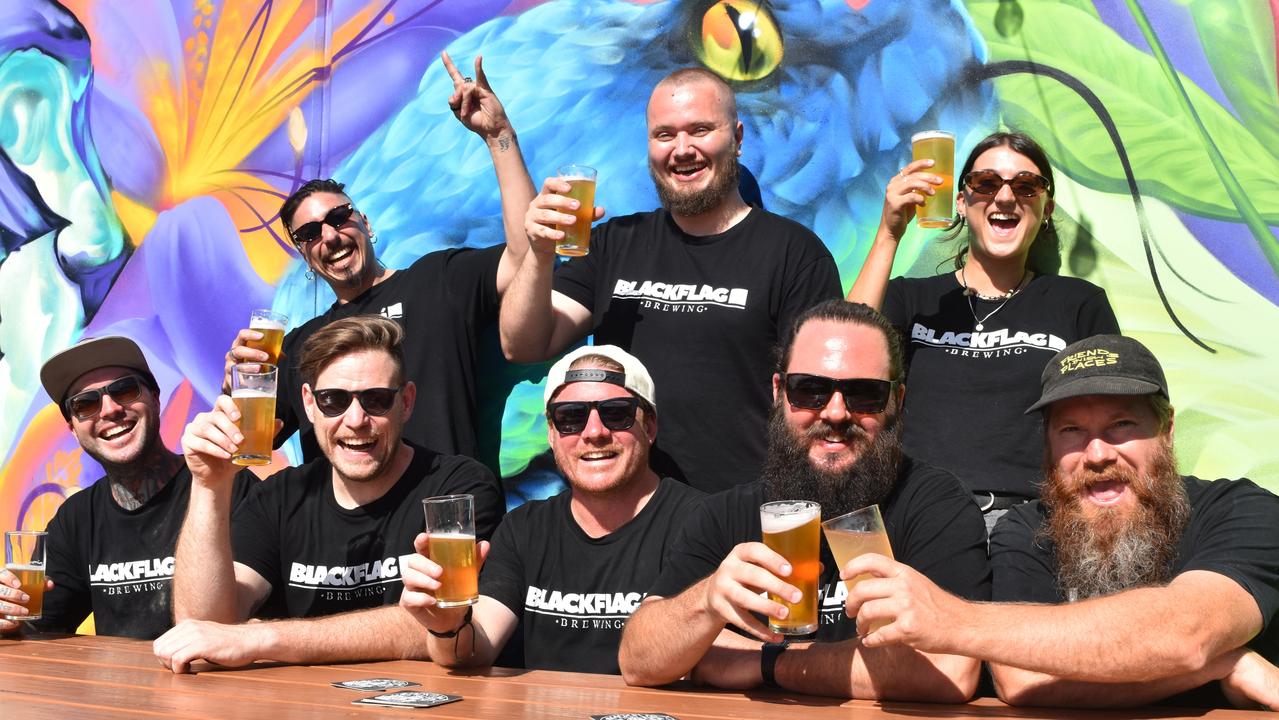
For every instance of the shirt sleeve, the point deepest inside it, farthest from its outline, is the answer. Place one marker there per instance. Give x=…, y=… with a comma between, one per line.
x=287, y=388
x=472, y=279
x=817, y=279
x=699, y=548
x=1022, y=564
x=502, y=577
x=578, y=277
x=69, y=602
x=472, y=478
x=255, y=532
x=895, y=307
x=946, y=538
x=1096, y=317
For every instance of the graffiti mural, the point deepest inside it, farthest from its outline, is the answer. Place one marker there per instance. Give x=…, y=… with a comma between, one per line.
x=145, y=149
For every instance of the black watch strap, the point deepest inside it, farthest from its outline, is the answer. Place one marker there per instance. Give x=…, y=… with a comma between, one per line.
x=466, y=620
x=768, y=660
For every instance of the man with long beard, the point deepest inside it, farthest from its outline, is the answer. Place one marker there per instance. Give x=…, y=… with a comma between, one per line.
x=1128, y=583
x=706, y=273
x=833, y=439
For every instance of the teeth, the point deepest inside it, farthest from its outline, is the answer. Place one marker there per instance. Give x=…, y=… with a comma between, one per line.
x=355, y=444
x=339, y=255
x=1002, y=216
x=597, y=455
x=116, y=432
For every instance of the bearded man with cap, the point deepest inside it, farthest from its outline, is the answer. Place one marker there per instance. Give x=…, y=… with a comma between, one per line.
x=562, y=575
x=110, y=546
x=1127, y=583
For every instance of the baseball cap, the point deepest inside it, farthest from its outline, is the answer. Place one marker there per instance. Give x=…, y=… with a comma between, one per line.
x=1101, y=365
x=634, y=377
x=65, y=367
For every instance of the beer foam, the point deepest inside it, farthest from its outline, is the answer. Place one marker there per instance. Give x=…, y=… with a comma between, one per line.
x=261, y=323
x=452, y=535
x=29, y=568
x=251, y=393
x=784, y=516
x=930, y=135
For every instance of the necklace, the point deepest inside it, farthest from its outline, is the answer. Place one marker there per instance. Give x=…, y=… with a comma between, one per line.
x=980, y=323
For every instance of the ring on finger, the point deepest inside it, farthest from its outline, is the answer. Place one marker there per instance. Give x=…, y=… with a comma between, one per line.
x=468, y=79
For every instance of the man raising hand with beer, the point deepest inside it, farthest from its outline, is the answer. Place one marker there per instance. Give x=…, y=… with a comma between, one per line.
x=834, y=441
x=322, y=543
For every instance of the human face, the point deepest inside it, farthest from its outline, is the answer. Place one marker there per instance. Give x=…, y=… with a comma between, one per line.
x=693, y=144
x=598, y=460
x=342, y=256
x=1099, y=444
x=834, y=435
x=361, y=447
x=119, y=434
x=1003, y=225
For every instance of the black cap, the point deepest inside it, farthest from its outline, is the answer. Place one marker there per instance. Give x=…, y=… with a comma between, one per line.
x=1101, y=365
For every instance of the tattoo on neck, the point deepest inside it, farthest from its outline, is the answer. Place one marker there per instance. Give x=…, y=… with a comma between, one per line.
x=132, y=491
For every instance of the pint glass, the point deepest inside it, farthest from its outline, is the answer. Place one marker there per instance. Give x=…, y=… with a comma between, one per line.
x=253, y=390
x=857, y=533
x=792, y=529
x=271, y=325
x=24, y=555
x=450, y=527
x=577, y=237
x=939, y=147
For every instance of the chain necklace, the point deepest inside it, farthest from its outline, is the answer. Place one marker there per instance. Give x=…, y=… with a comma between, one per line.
x=980, y=323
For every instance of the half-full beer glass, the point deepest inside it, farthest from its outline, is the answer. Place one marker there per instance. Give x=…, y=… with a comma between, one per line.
x=253, y=390
x=24, y=555
x=792, y=529
x=857, y=533
x=271, y=325
x=577, y=237
x=450, y=527
x=939, y=147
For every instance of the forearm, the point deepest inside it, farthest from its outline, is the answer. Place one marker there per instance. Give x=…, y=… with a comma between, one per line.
x=384, y=633
x=527, y=321
x=204, y=585
x=1024, y=687
x=516, y=188
x=846, y=669
x=872, y=281
x=666, y=637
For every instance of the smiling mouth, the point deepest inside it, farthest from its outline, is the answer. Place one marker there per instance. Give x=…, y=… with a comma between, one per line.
x=358, y=444
x=340, y=255
x=597, y=455
x=117, y=431
x=1004, y=221
x=687, y=169
x=1106, y=492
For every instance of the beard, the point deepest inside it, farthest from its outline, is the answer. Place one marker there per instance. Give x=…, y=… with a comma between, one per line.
x=789, y=473
x=1102, y=551
x=696, y=202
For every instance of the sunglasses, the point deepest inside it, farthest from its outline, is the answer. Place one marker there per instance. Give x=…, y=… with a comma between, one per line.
x=1024, y=184
x=88, y=404
x=861, y=395
x=308, y=233
x=375, y=401
x=570, y=418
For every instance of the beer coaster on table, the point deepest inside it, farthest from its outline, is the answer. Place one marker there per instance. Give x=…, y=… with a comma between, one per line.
x=372, y=684
x=634, y=716
x=408, y=698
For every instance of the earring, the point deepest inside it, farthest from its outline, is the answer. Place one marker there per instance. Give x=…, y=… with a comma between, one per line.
x=373, y=238
x=310, y=276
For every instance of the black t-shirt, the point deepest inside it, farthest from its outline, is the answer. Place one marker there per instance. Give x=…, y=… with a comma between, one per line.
x=932, y=524
x=573, y=593
x=321, y=558
x=117, y=563
x=703, y=314
x=443, y=301
x=988, y=378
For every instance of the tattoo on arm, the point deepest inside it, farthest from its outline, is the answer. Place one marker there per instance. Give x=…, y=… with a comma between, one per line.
x=504, y=142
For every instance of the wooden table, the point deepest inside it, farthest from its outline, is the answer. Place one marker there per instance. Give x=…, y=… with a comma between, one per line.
x=87, y=676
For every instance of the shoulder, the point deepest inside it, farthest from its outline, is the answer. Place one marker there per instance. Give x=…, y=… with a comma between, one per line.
x=80, y=504
x=779, y=228
x=917, y=480
x=1242, y=494
x=1065, y=285
x=293, y=480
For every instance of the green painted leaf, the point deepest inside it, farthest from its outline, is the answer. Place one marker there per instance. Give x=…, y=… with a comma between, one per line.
x=1165, y=150
x=1238, y=38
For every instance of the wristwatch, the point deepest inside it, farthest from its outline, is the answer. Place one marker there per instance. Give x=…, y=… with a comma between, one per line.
x=768, y=660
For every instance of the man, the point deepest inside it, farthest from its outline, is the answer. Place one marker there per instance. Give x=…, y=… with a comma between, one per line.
x=834, y=439
x=110, y=546
x=321, y=543
x=562, y=575
x=707, y=274
x=1171, y=581
x=444, y=299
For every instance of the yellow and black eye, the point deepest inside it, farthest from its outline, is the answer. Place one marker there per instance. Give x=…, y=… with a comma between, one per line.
x=739, y=40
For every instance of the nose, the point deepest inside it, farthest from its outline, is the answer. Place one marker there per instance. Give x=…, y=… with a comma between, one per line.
x=683, y=144
x=1099, y=453
x=110, y=407
x=595, y=428
x=355, y=417
x=836, y=411
x=1005, y=196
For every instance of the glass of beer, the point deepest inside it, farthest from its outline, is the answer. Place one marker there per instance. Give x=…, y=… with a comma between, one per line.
x=577, y=237
x=792, y=529
x=450, y=525
x=253, y=390
x=938, y=146
x=24, y=555
x=271, y=325
x=857, y=533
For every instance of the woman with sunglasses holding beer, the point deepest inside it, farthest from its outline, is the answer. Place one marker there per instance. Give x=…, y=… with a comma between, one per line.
x=978, y=338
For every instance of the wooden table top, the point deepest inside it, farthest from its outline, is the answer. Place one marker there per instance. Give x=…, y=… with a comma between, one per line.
x=90, y=677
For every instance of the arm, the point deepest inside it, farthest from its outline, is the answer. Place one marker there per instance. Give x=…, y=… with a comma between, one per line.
x=904, y=192
x=207, y=584
x=850, y=669
x=536, y=323
x=477, y=107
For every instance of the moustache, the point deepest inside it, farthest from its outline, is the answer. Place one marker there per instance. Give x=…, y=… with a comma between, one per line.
x=844, y=432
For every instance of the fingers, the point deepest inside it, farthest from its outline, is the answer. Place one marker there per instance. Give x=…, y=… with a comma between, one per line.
x=9, y=626
x=480, y=78
x=213, y=434
x=870, y=564
x=450, y=68
x=422, y=543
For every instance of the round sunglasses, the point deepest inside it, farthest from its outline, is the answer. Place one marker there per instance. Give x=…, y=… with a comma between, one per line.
x=1024, y=184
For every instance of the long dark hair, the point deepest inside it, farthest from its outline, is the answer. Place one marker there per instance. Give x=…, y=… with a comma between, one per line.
x=1044, y=257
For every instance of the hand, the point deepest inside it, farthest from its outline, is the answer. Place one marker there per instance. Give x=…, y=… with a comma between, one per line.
x=474, y=103
x=240, y=352
x=1252, y=683
x=13, y=601
x=733, y=592
x=906, y=607
x=549, y=209
x=421, y=579
x=210, y=440
x=905, y=192
x=730, y=668
x=192, y=641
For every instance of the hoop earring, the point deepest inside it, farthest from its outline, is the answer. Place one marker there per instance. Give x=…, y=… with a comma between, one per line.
x=373, y=238
x=310, y=276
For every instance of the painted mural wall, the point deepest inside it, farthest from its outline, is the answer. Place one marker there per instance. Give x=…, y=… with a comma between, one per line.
x=145, y=147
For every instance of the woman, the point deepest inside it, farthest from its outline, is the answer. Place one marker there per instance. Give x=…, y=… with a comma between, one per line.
x=978, y=338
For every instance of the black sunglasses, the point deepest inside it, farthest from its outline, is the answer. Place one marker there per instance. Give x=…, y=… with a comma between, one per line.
x=335, y=218
x=88, y=404
x=1025, y=184
x=375, y=401
x=570, y=418
x=861, y=395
